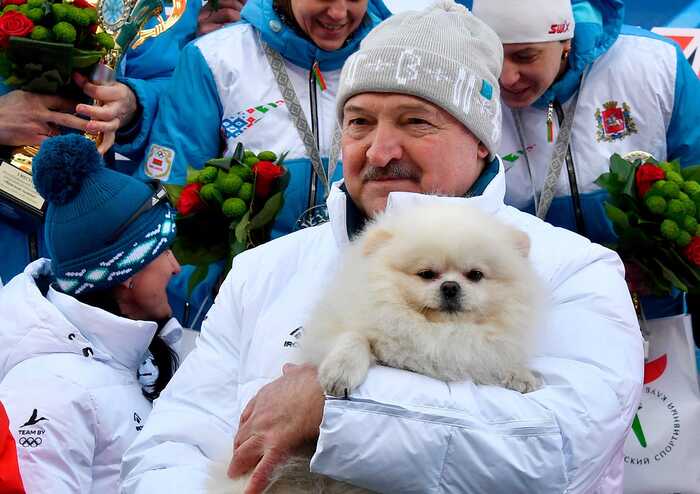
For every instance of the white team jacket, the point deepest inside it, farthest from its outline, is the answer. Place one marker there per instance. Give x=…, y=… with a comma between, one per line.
x=402, y=432
x=68, y=380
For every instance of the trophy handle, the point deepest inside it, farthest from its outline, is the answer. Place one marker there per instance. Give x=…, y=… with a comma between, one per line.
x=179, y=7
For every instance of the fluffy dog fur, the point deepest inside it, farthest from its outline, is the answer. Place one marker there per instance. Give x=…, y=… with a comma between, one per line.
x=443, y=290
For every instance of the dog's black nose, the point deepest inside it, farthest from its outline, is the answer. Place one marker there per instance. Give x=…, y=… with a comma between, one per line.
x=450, y=289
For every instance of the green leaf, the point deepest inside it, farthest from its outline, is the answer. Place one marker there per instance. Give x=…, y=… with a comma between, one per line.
x=242, y=229
x=621, y=168
x=604, y=181
x=174, y=192
x=238, y=152
x=197, y=276
x=222, y=163
x=86, y=58
x=691, y=173
x=268, y=211
x=237, y=247
x=670, y=276
x=617, y=216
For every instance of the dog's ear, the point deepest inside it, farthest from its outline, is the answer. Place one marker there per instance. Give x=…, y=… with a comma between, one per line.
x=521, y=241
x=374, y=239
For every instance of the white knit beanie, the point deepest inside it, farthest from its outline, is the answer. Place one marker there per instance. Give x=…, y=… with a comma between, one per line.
x=442, y=54
x=527, y=21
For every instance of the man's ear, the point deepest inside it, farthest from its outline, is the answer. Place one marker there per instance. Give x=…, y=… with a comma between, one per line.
x=374, y=239
x=482, y=152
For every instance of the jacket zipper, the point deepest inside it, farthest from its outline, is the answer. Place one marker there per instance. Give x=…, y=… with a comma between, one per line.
x=314, y=130
x=573, y=183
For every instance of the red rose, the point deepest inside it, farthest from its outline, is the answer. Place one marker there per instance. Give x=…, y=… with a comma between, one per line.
x=82, y=4
x=692, y=251
x=12, y=2
x=646, y=175
x=189, y=201
x=266, y=172
x=13, y=24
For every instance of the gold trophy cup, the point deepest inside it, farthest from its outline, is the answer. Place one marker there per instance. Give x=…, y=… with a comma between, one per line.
x=125, y=21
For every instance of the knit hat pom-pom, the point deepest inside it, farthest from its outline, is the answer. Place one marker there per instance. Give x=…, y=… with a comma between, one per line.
x=61, y=166
x=450, y=6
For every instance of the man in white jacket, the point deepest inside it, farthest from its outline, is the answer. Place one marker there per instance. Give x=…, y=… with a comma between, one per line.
x=420, y=110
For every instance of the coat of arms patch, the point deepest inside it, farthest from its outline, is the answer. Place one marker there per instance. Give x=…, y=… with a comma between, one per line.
x=614, y=122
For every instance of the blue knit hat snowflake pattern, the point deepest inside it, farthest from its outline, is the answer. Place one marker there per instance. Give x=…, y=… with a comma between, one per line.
x=88, y=204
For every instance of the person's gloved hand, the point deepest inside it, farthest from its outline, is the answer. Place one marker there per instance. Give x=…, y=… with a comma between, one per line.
x=28, y=118
x=118, y=105
x=210, y=20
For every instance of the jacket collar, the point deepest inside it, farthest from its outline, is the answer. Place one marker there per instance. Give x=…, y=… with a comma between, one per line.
x=347, y=220
x=300, y=50
x=123, y=340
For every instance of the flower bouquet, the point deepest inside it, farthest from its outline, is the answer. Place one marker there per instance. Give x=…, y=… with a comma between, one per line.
x=227, y=207
x=42, y=42
x=654, y=208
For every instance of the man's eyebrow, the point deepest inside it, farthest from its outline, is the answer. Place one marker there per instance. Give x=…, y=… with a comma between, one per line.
x=406, y=107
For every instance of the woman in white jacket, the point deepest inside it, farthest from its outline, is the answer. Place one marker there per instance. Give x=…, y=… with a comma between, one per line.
x=83, y=347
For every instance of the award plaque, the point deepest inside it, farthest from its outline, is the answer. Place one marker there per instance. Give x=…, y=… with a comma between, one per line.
x=19, y=202
x=124, y=21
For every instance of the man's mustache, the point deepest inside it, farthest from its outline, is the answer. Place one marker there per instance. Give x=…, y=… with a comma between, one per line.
x=393, y=170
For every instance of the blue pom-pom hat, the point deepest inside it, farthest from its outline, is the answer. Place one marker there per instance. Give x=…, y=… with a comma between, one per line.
x=87, y=204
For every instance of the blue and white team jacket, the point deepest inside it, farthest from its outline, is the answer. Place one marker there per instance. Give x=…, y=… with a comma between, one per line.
x=224, y=92
x=146, y=70
x=638, y=93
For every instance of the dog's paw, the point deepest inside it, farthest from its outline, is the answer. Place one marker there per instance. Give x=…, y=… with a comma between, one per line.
x=522, y=381
x=338, y=377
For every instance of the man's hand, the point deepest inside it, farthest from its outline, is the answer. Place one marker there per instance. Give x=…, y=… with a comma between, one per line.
x=28, y=119
x=210, y=20
x=117, y=109
x=284, y=415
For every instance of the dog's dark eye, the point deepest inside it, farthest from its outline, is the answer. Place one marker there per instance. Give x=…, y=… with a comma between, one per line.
x=427, y=274
x=475, y=275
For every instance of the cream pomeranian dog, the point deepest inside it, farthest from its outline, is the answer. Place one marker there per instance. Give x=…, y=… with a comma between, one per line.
x=440, y=289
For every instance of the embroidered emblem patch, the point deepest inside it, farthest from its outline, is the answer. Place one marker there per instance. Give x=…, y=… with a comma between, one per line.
x=233, y=126
x=159, y=162
x=614, y=122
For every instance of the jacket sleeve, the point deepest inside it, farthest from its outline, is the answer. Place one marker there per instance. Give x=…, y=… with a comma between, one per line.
x=683, y=134
x=402, y=432
x=191, y=423
x=187, y=121
x=54, y=429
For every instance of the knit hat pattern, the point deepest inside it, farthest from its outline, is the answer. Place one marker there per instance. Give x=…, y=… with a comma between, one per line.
x=87, y=204
x=442, y=54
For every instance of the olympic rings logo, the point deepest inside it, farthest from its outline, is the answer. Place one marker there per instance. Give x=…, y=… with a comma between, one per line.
x=29, y=442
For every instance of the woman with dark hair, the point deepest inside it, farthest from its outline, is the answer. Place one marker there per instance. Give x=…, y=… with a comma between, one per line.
x=84, y=335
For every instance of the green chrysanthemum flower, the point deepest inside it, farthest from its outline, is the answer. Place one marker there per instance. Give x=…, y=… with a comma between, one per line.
x=234, y=207
x=40, y=33
x=104, y=40
x=683, y=239
x=690, y=224
x=669, y=229
x=208, y=174
x=211, y=194
x=655, y=204
x=64, y=32
x=670, y=190
x=675, y=177
x=246, y=192
x=229, y=183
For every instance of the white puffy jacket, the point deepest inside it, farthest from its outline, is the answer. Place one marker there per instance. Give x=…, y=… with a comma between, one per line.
x=401, y=432
x=68, y=381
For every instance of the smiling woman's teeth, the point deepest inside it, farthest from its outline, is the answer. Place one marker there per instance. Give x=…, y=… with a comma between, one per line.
x=331, y=27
